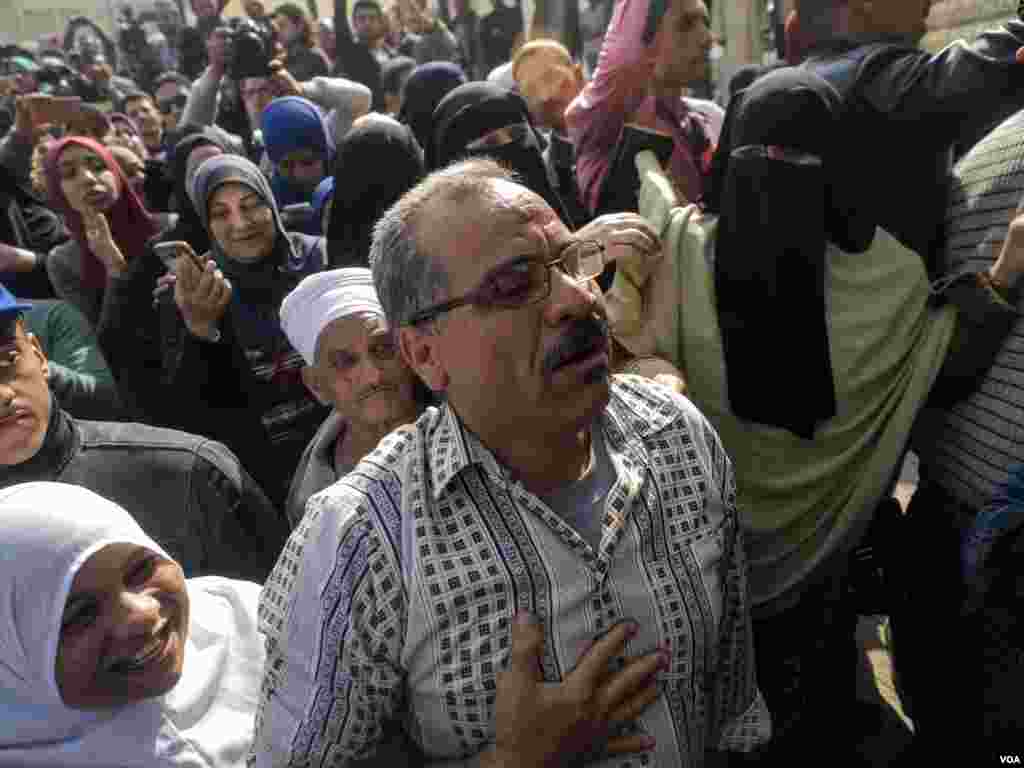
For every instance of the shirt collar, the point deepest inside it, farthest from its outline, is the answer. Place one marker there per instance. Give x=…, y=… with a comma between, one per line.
x=637, y=410
x=453, y=448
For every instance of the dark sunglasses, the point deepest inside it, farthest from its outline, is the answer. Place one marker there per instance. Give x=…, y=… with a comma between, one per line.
x=523, y=281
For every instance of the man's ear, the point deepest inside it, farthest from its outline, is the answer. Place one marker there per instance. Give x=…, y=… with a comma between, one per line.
x=420, y=351
x=37, y=350
x=311, y=378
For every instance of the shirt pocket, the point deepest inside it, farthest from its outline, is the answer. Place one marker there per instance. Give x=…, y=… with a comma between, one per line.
x=699, y=557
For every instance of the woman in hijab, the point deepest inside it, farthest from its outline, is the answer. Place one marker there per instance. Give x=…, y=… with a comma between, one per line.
x=299, y=144
x=362, y=191
x=228, y=362
x=423, y=91
x=108, y=223
x=108, y=655
x=190, y=151
x=129, y=331
x=482, y=119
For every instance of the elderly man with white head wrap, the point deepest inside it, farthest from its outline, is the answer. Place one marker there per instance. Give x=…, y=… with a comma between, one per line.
x=335, y=321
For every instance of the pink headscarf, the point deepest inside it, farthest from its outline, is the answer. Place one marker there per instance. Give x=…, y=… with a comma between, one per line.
x=130, y=223
x=618, y=89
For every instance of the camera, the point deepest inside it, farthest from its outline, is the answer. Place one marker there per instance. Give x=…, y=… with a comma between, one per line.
x=250, y=48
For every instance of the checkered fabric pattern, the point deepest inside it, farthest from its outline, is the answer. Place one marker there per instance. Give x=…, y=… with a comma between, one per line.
x=975, y=446
x=395, y=596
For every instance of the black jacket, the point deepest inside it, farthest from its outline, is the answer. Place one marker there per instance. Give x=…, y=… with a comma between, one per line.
x=188, y=493
x=907, y=111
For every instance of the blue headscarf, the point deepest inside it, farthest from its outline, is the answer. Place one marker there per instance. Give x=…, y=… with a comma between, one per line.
x=289, y=124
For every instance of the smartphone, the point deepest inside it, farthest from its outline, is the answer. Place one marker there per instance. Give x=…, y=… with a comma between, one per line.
x=57, y=109
x=169, y=251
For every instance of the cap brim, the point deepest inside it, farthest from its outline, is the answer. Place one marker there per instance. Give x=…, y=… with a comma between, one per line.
x=15, y=309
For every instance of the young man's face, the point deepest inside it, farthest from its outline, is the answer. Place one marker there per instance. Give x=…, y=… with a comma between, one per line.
x=24, y=396
x=681, y=44
x=368, y=24
x=149, y=120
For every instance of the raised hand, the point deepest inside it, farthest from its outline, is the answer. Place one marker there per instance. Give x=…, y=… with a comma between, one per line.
x=622, y=234
x=1009, y=266
x=101, y=242
x=202, y=295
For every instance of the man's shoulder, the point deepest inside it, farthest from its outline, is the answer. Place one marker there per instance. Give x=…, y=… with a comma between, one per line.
x=651, y=408
x=399, y=457
x=113, y=436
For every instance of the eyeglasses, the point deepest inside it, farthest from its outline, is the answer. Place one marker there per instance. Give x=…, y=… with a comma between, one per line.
x=524, y=281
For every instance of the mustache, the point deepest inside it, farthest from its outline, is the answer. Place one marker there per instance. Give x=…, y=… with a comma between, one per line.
x=584, y=336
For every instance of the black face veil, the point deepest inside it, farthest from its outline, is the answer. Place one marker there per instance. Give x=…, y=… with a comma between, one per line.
x=471, y=112
x=782, y=194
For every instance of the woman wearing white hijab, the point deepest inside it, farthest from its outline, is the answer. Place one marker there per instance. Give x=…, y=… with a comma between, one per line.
x=108, y=657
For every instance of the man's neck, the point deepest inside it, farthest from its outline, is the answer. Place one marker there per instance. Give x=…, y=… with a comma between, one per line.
x=358, y=440
x=543, y=463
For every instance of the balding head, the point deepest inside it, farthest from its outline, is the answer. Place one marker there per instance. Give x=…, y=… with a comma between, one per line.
x=407, y=270
x=548, y=79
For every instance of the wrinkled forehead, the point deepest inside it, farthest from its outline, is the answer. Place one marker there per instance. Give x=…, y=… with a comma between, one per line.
x=513, y=222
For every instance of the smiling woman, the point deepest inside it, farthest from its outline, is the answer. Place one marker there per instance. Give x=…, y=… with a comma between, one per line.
x=108, y=655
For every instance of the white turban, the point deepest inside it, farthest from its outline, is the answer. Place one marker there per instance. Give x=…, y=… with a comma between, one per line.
x=323, y=298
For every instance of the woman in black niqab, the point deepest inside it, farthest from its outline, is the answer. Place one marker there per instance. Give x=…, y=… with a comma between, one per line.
x=377, y=162
x=465, y=122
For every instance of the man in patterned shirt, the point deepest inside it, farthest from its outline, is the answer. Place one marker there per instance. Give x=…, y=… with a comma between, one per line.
x=541, y=485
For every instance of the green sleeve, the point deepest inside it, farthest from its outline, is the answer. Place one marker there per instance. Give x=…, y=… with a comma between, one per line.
x=79, y=376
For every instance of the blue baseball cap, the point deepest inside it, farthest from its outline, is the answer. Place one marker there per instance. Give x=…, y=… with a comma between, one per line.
x=10, y=305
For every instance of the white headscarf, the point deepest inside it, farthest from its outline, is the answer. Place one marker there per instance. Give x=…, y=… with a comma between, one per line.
x=322, y=298
x=48, y=531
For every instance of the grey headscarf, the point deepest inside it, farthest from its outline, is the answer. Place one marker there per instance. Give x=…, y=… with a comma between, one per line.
x=222, y=169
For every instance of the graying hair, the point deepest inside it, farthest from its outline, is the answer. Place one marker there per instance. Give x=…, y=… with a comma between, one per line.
x=406, y=276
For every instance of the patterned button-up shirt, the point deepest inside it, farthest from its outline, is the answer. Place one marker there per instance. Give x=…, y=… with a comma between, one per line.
x=395, y=596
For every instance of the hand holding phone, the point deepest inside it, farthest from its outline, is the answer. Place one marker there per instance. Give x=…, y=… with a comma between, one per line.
x=201, y=292
x=38, y=109
x=168, y=252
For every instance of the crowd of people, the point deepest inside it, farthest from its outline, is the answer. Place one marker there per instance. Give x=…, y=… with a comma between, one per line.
x=396, y=389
